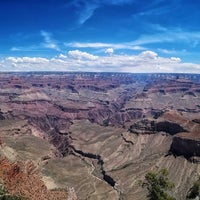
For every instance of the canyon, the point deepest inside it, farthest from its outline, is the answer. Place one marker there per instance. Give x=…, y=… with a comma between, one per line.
x=100, y=133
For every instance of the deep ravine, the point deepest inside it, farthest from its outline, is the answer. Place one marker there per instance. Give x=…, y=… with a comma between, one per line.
x=108, y=179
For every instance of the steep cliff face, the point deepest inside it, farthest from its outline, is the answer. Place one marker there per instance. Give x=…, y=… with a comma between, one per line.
x=146, y=126
x=187, y=145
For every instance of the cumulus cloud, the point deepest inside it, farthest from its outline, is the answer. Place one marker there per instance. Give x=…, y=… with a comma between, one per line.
x=76, y=60
x=24, y=64
x=82, y=55
x=35, y=60
x=176, y=59
x=149, y=54
x=62, y=56
x=109, y=51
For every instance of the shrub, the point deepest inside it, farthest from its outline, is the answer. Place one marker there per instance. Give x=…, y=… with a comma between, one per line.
x=5, y=196
x=157, y=185
x=194, y=190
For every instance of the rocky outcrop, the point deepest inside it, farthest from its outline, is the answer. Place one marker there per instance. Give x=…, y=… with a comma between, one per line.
x=186, y=144
x=196, y=121
x=56, y=130
x=147, y=126
x=169, y=127
x=144, y=126
x=24, y=180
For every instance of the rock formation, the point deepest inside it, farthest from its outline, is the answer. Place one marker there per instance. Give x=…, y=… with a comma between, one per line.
x=99, y=133
x=24, y=180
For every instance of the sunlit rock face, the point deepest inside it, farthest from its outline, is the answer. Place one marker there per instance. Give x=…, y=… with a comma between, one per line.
x=100, y=133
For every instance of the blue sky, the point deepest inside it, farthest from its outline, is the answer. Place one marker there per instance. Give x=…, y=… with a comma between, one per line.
x=100, y=35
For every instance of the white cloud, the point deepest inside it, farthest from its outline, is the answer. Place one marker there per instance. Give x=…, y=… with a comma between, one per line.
x=147, y=61
x=109, y=51
x=15, y=49
x=32, y=48
x=87, y=45
x=86, y=8
x=172, y=51
x=87, y=13
x=24, y=64
x=49, y=43
x=175, y=59
x=61, y=56
x=170, y=35
x=99, y=45
x=81, y=55
x=163, y=36
x=35, y=60
x=149, y=55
